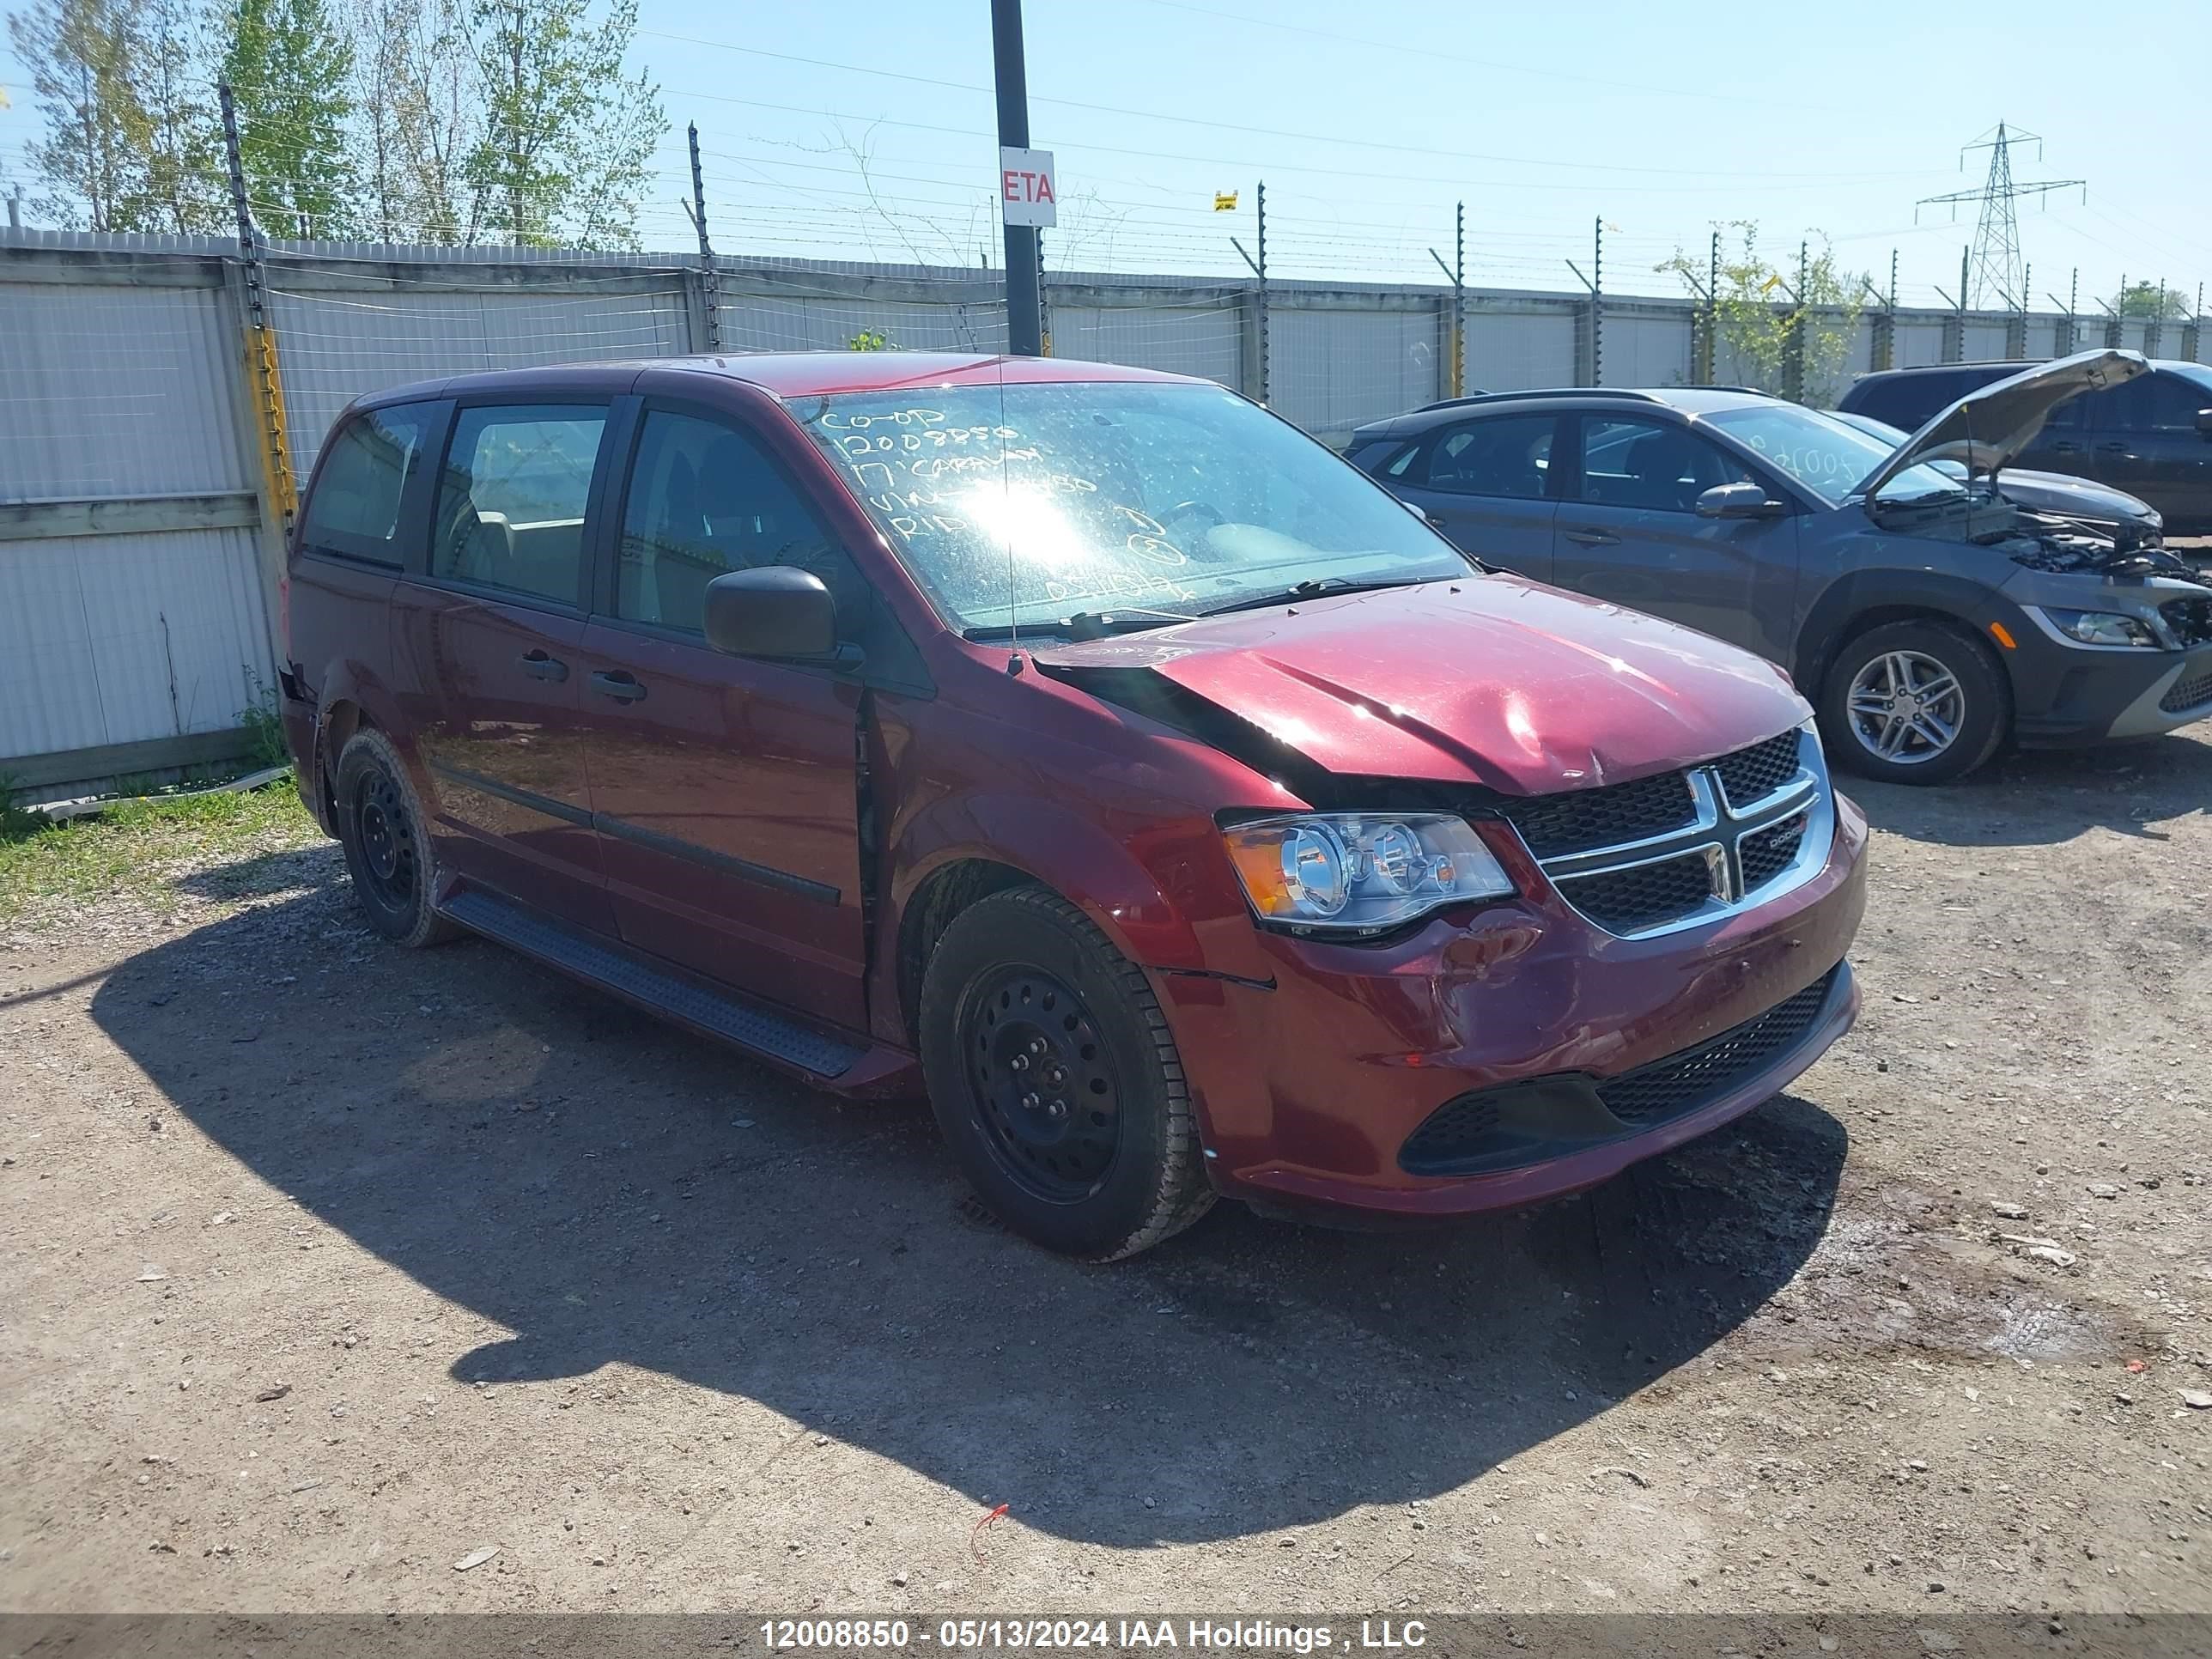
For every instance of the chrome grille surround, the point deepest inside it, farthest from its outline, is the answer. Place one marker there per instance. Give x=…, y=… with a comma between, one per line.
x=1714, y=836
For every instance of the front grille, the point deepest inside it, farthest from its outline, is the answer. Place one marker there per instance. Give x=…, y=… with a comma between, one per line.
x=1755, y=773
x=1767, y=852
x=1643, y=895
x=1681, y=1082
x=2184, y=694
x=1606, y=817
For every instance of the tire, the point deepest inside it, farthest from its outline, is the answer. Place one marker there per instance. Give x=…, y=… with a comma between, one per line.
x=1971, y=699
x=1022, y=990
x=382, y=827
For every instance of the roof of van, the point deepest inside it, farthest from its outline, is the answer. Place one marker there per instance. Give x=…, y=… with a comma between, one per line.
x=803, y=373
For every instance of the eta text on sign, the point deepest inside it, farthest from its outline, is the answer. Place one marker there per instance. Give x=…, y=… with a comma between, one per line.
x=1028, y=191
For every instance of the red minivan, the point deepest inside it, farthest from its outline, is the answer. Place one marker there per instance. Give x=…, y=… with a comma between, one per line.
x=1084, y=746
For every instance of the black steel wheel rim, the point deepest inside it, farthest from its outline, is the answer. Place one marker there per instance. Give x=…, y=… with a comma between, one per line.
x=385, y=833
x=1045, y=1085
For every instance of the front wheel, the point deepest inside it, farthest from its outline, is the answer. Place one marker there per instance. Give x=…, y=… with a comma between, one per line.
x=1914, y=702
x=1055, y=1079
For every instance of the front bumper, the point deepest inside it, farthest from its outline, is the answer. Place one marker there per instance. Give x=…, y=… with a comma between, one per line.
x=2066, y=694
x=1310, y=1090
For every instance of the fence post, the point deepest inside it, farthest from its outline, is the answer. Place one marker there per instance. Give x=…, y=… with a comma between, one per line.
x=1793, y=350
x=1253, y=369
x=1885, y=322
x=1705, y=360
x=267, y=434
x=2193, y=331
x=1595, y=362
x=707, y=296
x=1955, y=325
x=2155, y=330
x=2016, y=325
x=2116, y=328
x=1456, y=326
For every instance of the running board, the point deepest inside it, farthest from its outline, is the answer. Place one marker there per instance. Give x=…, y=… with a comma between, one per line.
x=765, y=1031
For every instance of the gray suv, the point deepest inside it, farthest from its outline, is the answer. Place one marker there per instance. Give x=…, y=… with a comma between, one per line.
x=1928, y=616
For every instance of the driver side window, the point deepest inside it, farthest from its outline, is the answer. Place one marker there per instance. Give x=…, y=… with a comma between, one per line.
x=1650, y=466
x=704, y=498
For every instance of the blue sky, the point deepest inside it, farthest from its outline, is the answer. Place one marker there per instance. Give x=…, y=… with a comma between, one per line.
x=1367, y=122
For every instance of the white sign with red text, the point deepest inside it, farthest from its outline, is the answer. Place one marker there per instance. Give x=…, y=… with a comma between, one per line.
x=1029, y=193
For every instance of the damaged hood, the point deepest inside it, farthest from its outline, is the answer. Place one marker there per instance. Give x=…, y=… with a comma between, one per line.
x=1490, y=680
x=1987, y=428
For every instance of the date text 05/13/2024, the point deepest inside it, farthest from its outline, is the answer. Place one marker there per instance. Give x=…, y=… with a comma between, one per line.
x=1056, y=1635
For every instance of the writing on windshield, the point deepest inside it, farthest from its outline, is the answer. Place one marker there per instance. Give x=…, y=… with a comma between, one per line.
x=1037, y=500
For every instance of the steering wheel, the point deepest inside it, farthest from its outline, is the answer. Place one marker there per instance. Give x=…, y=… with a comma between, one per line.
x=1212, y=515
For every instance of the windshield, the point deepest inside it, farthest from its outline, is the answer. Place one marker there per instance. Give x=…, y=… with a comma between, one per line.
x=1827, y=455
x=1034, y=502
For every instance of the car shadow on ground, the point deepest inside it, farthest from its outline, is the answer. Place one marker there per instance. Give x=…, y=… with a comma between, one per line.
x=2038, y=797
x=611, y=1190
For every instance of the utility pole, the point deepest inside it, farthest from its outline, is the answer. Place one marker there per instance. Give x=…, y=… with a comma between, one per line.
x=1997, y=263
x=710, y=284
x=1456, y=270
x=1260, y=300
x=1024, y=318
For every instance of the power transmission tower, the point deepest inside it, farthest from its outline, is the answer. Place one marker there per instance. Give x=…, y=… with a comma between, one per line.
x=1998, y=267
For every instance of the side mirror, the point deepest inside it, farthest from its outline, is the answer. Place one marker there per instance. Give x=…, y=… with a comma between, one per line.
x=1740, y=500
x=776, y=610
x=2204, y=422
x=1421, y=513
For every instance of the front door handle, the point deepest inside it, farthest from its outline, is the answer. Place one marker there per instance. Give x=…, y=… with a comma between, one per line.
x=2065, y=448
x=541, y=667
x=621, y=685
x=2115, y=449
x=1592, y=538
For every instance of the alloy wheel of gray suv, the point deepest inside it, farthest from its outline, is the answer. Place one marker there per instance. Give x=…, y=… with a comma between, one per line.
x=1914, y=702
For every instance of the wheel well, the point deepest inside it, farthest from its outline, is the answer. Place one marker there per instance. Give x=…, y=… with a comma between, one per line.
x=930, y=911
x=1865, y=622
x=338, y=726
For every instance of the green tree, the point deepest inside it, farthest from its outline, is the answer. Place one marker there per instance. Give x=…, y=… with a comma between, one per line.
x=290, y=71
x=1779, y=325
x=2151, y=299
x=129, y=138
x=567, y=135
x=78, y=53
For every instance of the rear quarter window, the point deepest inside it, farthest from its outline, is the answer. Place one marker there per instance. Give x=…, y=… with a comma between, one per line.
x=356, y=508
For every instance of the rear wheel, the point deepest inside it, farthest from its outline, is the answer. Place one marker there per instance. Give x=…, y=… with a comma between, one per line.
x=1055, y=1079
x=387, y=842
x=1914, y=702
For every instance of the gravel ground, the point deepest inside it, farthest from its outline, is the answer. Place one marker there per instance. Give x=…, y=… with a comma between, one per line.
x=328, y=1269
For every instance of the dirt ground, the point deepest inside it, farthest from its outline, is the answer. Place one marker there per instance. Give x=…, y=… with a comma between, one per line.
x=325, y=1268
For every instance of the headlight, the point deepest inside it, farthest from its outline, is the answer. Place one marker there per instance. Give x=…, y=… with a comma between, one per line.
x=1360, y=873
x=2101, y=628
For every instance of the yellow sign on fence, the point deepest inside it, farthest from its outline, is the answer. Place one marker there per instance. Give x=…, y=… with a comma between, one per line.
x=1225, y=201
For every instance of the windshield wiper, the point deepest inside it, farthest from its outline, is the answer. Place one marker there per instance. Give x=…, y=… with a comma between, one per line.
x=1313, y=588
x=1083, y=624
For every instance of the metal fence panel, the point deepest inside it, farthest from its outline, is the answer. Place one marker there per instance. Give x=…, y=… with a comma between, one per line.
x=832, y=321
x=1330, y=369
x=117, y=639
x=1205, y=339
x=335, y=346
x=1645, y=350
x=1518, y=350
x=1986, y=340
x=107, y=389
x=1919, y=340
